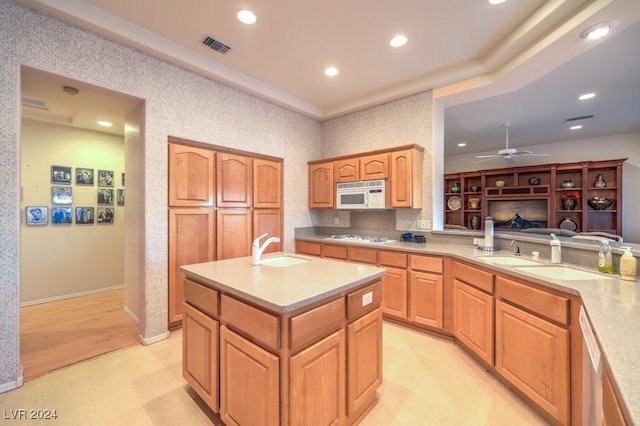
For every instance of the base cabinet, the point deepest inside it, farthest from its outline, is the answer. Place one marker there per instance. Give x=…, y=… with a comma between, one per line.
x=426, y=299
x=200, y=354
x=249, y=382
x=322, y=363
x=395, y=288
x=473, y=319
x=533, y=355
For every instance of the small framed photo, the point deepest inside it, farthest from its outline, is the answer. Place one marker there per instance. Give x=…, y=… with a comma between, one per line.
x=61, y=215
x=61, y=195
x=84, y=176
x=61, y=175
x=84, y=215
x=120, y=198
x=105, y=215
x=37, y=215
x=105, y=196
x=122, y=179
x=105, y=177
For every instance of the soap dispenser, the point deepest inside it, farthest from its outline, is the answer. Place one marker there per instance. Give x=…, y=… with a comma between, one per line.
x=605, y=264
x=628, y=265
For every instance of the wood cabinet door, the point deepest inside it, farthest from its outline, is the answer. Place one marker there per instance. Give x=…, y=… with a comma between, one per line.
x=347, y=170
x=267, y=184
x=318, y=383
x=234, y=233
x=374, y=167
x=191, y=240
x=426, y=299
x=249, y=382
x=394, y=289
x=364, y=362
x=473, y=319
x=322, y=189
x=309, y=247
x=268, y=221
x=533, y=355
x=200, y=354
x=233, y=180
x=406, y=178
x=191, y=176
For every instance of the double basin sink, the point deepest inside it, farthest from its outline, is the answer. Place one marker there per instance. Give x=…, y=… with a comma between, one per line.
x=560, y=272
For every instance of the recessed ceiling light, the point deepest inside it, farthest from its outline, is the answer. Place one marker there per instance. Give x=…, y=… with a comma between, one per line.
x=398, y=41
x=331, y=71
x=586, y=96
x=105, y=123
x=598, y=30
x=461, y=144
x=575, y=127
x=246, y=17
x=496, y=1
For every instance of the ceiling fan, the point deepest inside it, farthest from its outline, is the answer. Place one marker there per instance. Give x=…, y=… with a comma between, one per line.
x=508, y=154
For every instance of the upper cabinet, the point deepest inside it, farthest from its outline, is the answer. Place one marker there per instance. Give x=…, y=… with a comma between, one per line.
x=374, y=167
x=267, y=184
x=191, y=176
x=347, y=170
x=406, y=178
x=233, y=179
x=321, y=186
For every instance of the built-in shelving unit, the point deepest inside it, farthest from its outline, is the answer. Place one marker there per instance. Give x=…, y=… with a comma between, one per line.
x=533, y=195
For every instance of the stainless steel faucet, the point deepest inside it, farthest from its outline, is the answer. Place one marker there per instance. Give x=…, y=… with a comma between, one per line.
x=517, y=253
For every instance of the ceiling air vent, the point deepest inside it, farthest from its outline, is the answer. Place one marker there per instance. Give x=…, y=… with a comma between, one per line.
x=216, y=45
x=578, y=119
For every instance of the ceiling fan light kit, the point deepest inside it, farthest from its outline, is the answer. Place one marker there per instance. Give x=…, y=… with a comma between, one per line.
x=508, y=154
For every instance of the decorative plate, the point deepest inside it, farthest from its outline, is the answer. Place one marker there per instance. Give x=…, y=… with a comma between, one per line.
x=454, y=203
x=568, y=224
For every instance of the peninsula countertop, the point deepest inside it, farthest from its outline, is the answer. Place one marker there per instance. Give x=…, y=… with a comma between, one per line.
x=612, y=305
x=283, y=289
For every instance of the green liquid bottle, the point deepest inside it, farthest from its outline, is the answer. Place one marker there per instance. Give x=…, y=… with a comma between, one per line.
x=605, y=264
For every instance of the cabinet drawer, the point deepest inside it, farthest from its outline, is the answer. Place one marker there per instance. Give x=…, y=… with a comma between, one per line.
x=473, y=276
x=336, y=252
x=308, y=247
x=364, y=300
x=363, y=255
x=426, y=263
x=392, y=258
x=316, y=323
x=261, y=326
x=202, y=297
x=549, y=305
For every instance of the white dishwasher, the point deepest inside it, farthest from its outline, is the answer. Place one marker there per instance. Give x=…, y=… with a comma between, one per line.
x=591, y=374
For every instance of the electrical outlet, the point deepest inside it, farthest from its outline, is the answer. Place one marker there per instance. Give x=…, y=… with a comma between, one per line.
x=336, y=221
x=424, y=224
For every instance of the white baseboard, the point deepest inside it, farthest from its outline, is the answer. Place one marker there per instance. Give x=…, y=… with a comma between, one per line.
x=151, y=340
x=6, y=387
x=70, y=296
x=131, y=314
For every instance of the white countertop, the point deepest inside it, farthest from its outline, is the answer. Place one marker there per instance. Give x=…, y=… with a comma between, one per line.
x=283, y=289
x=612, y=305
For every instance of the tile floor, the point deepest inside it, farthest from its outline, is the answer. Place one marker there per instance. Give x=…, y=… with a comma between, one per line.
x=427, y=381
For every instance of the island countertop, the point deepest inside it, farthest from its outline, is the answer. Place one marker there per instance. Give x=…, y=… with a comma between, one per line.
x=283, y=289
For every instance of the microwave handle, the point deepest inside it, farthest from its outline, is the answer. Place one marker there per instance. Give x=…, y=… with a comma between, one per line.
x=366, y=198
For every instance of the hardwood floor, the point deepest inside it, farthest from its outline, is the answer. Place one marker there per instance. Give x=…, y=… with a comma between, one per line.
x=61, y=333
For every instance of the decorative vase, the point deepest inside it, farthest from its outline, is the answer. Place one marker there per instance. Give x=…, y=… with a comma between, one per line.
x=600, y=182
x=455, y=187
x=534, y=180
x=569, y=203
x=567, y=184
x=474, y=203
x=475, y=222
x=500, y=183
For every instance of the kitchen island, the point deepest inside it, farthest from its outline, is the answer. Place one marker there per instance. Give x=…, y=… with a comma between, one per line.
x=294, y=340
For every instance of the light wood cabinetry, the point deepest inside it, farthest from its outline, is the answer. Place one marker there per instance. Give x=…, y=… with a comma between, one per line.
x=426, y=306
x=233, y=180
x=321, y=186
x=406, y=178
x=313, y=404
x=611, y=411
x=267, y=184
x=234, y=233
x=309, y=247
x=395, y=284
x=374, y=166
x=191, y=176
x=268, y=221
x=191, y=240
x=347, y=170
x=542, y=187
x=249, y=382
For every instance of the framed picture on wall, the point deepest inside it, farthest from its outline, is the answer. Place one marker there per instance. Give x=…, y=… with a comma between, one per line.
x=84, y=176
x=84, y=215
x=61, y=215
x=105, y=196
x=61, y=175
x=105, y=215
x=120, y=198
x=105, y=177
x=61, y=195
x=37, y=215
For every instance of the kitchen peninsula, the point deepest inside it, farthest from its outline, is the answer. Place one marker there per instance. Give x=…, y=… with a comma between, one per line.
x=294, y=340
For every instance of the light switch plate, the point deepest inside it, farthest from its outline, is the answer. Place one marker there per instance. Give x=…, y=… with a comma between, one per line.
x=424, y=224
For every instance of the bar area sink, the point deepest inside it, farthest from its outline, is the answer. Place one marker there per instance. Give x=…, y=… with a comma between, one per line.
x=508, y=261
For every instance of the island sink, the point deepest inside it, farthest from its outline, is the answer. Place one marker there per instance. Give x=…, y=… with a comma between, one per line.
x=282, y=261
x=563, y=273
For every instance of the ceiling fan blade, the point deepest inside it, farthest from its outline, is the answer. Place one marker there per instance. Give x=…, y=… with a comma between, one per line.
x=488, y=156
x=530, y=154
x=483, y=158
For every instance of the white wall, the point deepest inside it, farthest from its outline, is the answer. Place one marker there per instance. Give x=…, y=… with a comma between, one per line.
x=59, y=261
x=596, y=149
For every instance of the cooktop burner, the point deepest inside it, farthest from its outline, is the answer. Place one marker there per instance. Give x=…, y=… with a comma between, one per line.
x=361, y=239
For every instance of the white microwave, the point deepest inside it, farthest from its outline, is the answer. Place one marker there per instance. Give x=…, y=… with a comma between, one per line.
x=368, y=194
